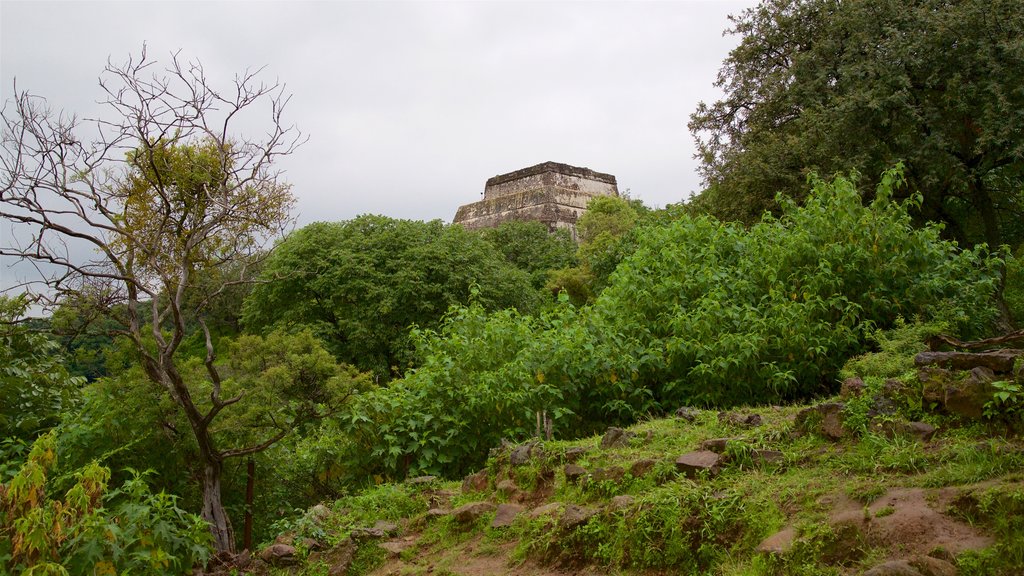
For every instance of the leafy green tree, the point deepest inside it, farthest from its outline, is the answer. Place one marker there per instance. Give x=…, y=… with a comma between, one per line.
x=185, y=200
x=826, y=86
x=531, y=247
x=361, y=284
x=34, y=385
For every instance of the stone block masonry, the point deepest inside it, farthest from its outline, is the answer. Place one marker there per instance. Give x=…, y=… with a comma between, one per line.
x=552, y=193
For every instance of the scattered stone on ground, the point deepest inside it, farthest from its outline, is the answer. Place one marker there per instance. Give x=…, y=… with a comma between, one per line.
x=574, y=473
x=693, y=464
x=621, y=502
x=778, y=543
x=524, y=453
x=476, y=482
x=851, y=388
x=964, y=397
x=573, y=454
x=549, y=509
x=575, y=515
x=738, y=419
x=767, y=457
x=1000, y=361
x=920, y=431
x=471, y=512
x=717, y=444
x=642, y=467
x=337, y=559
x=687, y=413
x=824, y=419
x=420, y=480
x=437, y=512
x=279, y=555
x=506, y=515
x=616, y=438
x=609, y=474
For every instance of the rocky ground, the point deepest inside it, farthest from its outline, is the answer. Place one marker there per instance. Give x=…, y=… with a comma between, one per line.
x=894, y=477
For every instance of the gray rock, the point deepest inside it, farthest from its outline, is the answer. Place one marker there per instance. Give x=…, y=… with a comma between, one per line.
x=609, y=474
x=279, y=555
x=717, y=444
x=778, y=543
x=616, y=438
x=471, y=512
x=621, y=502
x=506, y=515
x=642, y=467
x=574, y=473
x=767, y=457
x=825, y=419
x=851, y=388
x=476, y=482
x=523, y=454
x=693, y=464
x=1000, y=361
x=573, y=454
x=338, y=559
x=687, y=413
x=741, y=420
x=574, y=516
x=420, y=480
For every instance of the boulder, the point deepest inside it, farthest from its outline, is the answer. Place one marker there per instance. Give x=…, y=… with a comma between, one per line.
x=621, y=502
x=471, y=512
x=549, y=509
x=738, y=419
x=524, y=453
x=506, y=515
x=964, y=397
x=573, y=454
x=687, y=413
x=609, y=474
x=642, y=467
x=778, y=543
x=279, y=555
x=574, y=473
x=767, y=457
x=337, y=559
x=825, y=419
x=717, y=444
x=693, y=464
x=1000, y=361
x=507, y=487
x=476, y=482
x=616, y=438
x=920, y=431
x=852, y=387
x=574, y=516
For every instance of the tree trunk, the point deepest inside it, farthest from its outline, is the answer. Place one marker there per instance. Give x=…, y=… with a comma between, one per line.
x=250, y=482
x=213, y=508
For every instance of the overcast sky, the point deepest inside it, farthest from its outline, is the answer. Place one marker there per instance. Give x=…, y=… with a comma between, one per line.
x=411, y=106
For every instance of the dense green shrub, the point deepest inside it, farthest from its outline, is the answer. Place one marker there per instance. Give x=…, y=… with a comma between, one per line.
x=731, y=315
x=94, y=530
x=360, y=284
x=702, y=313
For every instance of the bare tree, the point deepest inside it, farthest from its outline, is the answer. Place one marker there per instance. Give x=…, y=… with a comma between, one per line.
x=163, y=193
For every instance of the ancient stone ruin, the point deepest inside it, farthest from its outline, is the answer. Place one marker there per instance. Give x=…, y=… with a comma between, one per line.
x=552, y=193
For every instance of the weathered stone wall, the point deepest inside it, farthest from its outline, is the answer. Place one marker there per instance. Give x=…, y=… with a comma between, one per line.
x=552, y=193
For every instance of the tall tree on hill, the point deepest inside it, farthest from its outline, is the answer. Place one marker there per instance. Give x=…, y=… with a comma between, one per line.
x=830, y=85
x=163, y=194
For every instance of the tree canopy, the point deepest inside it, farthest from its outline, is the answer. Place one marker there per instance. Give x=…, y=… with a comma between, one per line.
x=361, y=284
x=829, y=86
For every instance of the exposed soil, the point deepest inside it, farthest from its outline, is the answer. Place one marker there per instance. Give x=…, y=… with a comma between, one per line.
x=469, y=558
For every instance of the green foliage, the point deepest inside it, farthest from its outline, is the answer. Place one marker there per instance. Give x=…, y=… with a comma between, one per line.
x=34, y=385
x=1007, y=403
x=897, y=347
x=727, y=315
x=94, y=530
x=702, y=313
x=361, y=284
x=818, y=85
x=531, y=247
x=1013, y=288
